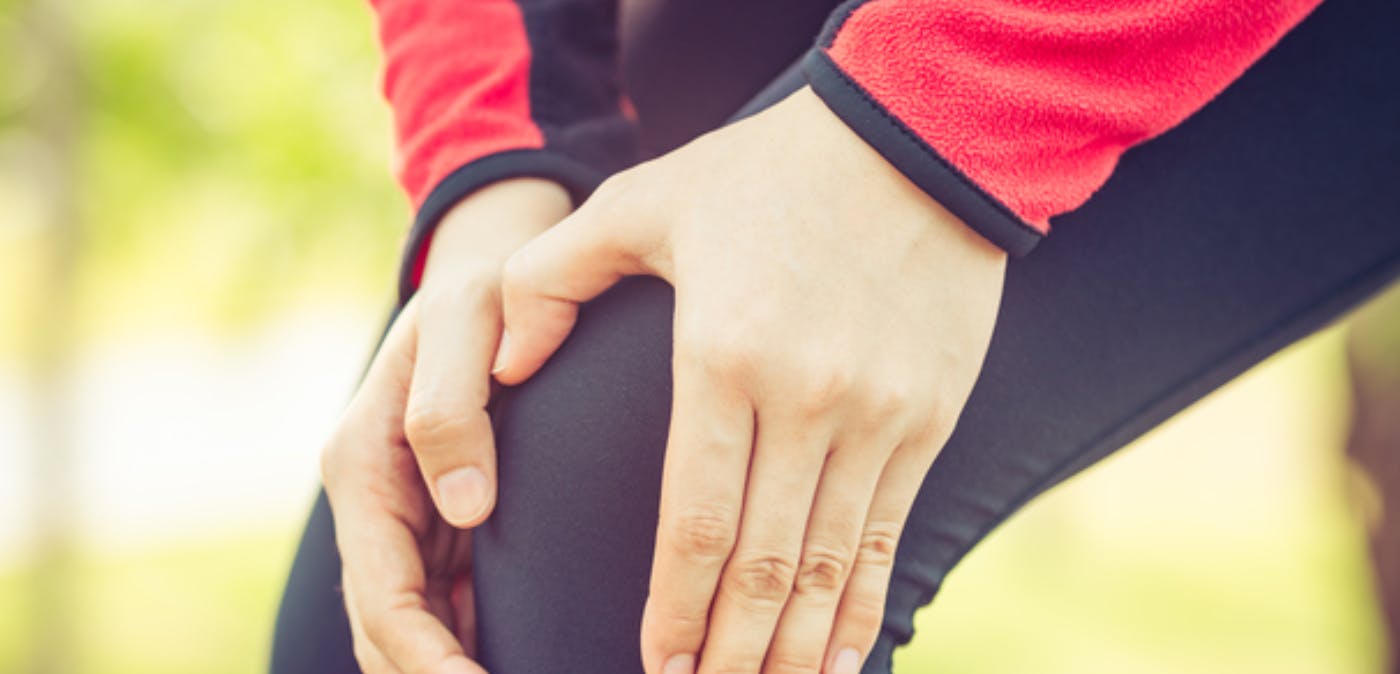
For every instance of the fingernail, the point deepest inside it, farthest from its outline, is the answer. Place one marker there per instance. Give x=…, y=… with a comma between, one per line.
x=679, y=664
x=847, y=662
x=500, y=363
x=462, y=494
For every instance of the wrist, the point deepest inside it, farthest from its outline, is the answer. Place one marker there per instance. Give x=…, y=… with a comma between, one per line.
x=485, y=227
x=850, y=161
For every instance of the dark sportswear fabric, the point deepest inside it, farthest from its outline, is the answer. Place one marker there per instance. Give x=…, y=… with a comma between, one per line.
x=1008, y=112
x=483, y=91
x=1257, y=221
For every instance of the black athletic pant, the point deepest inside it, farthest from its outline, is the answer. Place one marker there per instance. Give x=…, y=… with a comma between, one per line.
x=1259, y=220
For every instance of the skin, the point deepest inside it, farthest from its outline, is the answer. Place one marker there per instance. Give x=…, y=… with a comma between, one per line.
x=830, y=322
x=413, y=433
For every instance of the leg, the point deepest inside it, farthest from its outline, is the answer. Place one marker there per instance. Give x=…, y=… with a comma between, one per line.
x=1260, y=220
x=561, y=567
x=681, y=90
x=312, y=633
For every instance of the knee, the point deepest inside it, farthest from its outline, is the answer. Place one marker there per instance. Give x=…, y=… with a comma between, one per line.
x=587, y=433
x=579, y=449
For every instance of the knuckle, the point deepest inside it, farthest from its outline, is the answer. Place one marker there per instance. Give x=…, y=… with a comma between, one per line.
x=612, y=185
x=878, y=544
x=784, y=662
x=705, y=530
x=762, y=581
x=822, y=571
x=887, y=400
x=723, y=354
x=739, y=664
x=942, y=411
x=824, y=385
x=682, y=624
x=431, y=428
x=928, y=438
x=735, y=663
x=611, y=193
x=863, y=613
x=515, y=271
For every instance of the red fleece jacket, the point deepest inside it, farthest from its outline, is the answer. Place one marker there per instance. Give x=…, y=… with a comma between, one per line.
x=1008, y=112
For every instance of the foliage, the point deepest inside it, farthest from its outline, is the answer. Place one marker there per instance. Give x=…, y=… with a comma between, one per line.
x=231, y=159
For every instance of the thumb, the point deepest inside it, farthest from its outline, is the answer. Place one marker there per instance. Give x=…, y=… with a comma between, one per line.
x=573, y=262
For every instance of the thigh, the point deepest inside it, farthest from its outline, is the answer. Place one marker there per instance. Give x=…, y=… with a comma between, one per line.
x=560, y=569
x=312, y=633
x=1261, y=219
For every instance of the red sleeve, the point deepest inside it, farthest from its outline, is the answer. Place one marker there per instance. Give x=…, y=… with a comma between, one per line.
x=492, y=89
x=1010, y=112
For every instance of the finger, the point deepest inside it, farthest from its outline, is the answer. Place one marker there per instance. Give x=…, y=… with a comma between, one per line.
x=440, y=605
x=464, y=602
x=702, y=497
x=828, y=555
x=350, y=459
x=371, y=661
x=375, y=525
x=862, y=609
x=361, y=453
x=381, y=561
x=787, y=463
x=445, y=420
x=573, y=262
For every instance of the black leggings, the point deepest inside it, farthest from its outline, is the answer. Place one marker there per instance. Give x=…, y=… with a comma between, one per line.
x=1261, y=219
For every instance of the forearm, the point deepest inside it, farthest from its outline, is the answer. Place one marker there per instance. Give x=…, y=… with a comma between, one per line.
x=484, y=228
x=494, y=90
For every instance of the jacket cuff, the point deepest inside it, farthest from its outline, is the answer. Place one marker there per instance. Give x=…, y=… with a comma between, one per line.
x=577, y=178
x=919, y=162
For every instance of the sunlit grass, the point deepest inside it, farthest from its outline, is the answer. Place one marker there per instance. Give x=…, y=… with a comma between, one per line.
x=193, y=606
x=1222, y=542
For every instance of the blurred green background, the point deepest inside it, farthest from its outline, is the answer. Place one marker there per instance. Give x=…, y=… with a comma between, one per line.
x=198, y=233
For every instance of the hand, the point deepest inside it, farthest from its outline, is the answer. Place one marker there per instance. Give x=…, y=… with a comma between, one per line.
x=830, y=322
x=416, y=433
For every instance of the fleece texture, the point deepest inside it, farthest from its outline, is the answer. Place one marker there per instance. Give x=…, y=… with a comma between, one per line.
x=1008, y=112
x=492, y=89
x=1034, y=101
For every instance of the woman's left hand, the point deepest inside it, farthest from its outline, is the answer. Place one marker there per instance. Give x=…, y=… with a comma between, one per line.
x=830, y=322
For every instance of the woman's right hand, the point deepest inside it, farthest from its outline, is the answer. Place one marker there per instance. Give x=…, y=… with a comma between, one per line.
x=410, y=467
x=459, y=329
